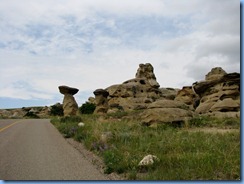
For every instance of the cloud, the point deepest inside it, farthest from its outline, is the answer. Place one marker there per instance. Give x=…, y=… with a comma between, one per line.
x=92, y=44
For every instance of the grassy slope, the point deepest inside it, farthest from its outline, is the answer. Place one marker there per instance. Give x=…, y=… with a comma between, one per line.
x=183, y=154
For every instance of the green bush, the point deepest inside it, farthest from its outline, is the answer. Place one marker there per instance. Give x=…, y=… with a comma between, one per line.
x=57, y=110
x=31, y=115
x=87, y=108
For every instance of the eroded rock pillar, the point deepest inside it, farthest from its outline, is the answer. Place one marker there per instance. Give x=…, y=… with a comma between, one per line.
x=101, y=101
x=70, y=106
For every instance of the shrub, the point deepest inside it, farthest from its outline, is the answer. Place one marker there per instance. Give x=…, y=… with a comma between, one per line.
x=87, y=108
x=31, y=115
x=57, y=110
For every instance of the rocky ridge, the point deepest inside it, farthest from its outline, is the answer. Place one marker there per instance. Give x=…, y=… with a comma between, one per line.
x=218, y=95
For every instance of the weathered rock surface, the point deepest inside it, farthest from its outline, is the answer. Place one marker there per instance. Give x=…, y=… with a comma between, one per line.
x=101, y=101
x=169, y=93
x=147, y=71
x=215, y=73
x=70, y=106
x=92, y=100
x=167, y=111
x=188, y=96
x=135, y=93
x=132, y=94
x=68, y=90
x=220, y=94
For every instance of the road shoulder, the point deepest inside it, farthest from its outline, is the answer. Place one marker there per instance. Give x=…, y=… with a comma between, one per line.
x=93, y=159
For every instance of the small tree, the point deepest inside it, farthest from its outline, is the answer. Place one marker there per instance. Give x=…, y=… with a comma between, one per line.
x=87, y=108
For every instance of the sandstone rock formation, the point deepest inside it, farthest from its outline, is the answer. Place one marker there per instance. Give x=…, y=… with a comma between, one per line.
x=167, y=111
x=219, y=93
x=101, y=101
x=168, y=93
x=146, y=71
x=135, y=93
x=42, y=112
x=188, y=96
x=70, y=106
x=92, y=100
x=215, y=73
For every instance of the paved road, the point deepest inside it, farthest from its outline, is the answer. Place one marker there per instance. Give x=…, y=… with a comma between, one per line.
x=35, y=150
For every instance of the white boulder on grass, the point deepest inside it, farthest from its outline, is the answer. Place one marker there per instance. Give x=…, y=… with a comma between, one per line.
x=81, y=124
x=148, y=160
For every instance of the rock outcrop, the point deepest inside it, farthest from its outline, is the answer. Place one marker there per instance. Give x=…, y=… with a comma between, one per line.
x=219, y=94
x=215, y=73
x=188, y=96
x=70, y=106
x=167, y=111
x=101, y=101
x=135, y=93
x=30, y=112
x=168, y=93
x=146, y=71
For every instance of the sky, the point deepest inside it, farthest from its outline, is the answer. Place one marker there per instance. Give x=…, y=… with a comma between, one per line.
x=91, y=44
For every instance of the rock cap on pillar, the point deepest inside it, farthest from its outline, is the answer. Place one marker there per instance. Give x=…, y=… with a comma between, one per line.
x=67, y=90
x=101, y=92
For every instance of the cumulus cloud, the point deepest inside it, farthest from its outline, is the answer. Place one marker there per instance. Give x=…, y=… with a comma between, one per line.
x=92, y=44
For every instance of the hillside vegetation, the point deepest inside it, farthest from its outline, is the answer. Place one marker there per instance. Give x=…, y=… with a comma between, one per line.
x=202, y=149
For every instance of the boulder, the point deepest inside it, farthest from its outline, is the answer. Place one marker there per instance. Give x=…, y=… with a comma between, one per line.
x=101, y=101
x=70, y=106
x=147, y=161
x=81, y=124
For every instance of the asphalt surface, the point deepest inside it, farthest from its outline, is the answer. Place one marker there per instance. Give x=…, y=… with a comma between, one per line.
x=35, y=150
